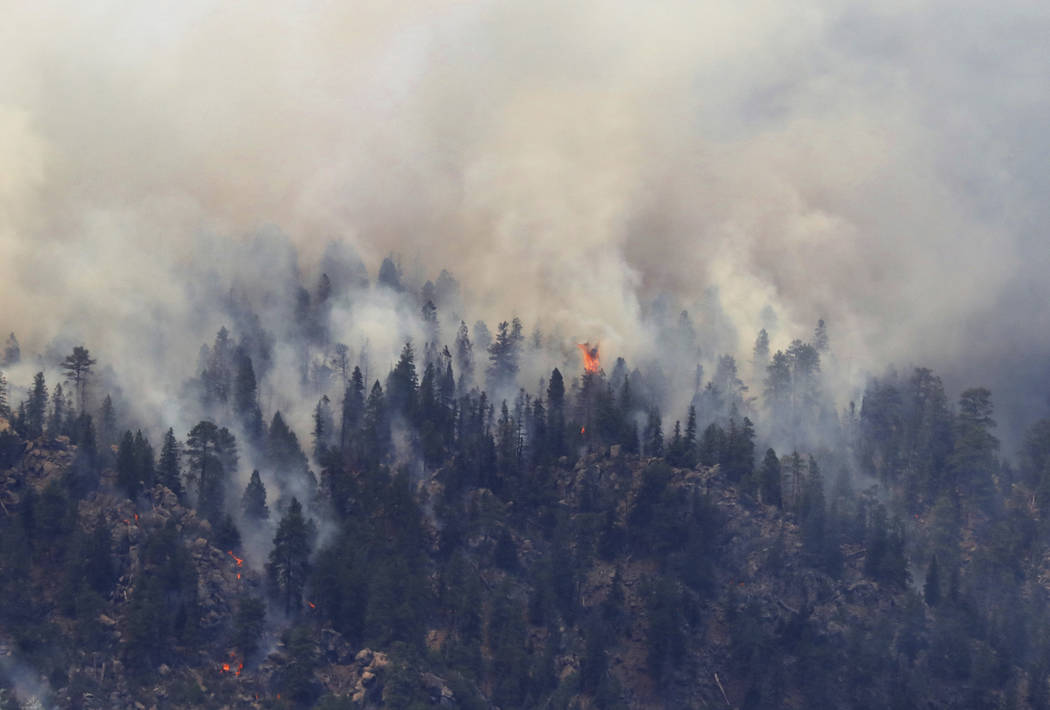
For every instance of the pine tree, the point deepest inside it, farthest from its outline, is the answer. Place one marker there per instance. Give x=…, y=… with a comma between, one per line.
x=283, y=452
x=322, y=432
x=654, y=437
x=12, y=352
x=769, y=482
x=402, y=384
x=77, y=366
x=760, y=357
x=289, y=565
x=375, y=435
x=464, y=359
x=168, y=472
x=212, y=454
x=36, y=407
x=353, y=411
x=973, y=460
x=253, y=503
x=127, y=473
x=820, y=337
x=675, y=453
x=245, y=396
x=56, y=424
x=503, y=356
x=689, y=444
x=107, y=422
x=390, y=275
x=5, y=407
x=556, y=415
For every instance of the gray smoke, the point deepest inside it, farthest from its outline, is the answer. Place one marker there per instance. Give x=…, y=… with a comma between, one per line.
x=572, y=163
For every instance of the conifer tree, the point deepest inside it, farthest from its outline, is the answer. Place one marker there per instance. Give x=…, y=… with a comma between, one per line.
x=245, y=395
x=12, y=352
x=654, y=437
x=556, y=414
x=769, y=481
x=36, y=407
x=289, y=565
x=402, y=384
x=353, y=411
x=464, y=357
x=689, y=444
x=56, y=423
x=168, y=472
x=5, y=407
x=107, y=422
x=253, y=503
x=820, y=337
x=77, y=366
x=503, y=356
x=375, y=435
x=212, y=455
x=322, y=432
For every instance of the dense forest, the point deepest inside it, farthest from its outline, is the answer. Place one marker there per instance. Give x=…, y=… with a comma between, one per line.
x=442, y=531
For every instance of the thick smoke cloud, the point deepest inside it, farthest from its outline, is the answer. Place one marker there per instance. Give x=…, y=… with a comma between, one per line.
x=568, y=162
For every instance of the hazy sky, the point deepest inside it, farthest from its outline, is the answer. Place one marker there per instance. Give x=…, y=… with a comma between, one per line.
x=883, y=166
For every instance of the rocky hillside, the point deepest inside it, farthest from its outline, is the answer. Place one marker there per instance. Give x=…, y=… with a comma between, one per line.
x=633, y=584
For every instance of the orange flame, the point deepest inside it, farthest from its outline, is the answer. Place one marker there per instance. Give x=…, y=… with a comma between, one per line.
x=225, y=667
x=312, y=605
x=590, y=357
x=239, y=560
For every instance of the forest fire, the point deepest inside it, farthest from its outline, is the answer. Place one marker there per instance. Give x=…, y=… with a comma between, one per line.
x=228, y=667
x=239, y=561
x=590, y=357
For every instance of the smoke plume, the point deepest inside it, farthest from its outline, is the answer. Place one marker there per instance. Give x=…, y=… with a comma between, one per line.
x=571, y=163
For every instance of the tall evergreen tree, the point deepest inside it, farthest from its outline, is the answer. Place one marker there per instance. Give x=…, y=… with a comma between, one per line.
x=5, y=406
x=107, y=422
x=12, y=352
x=503, y=356
x=168, y=471
x=689, y=443
x=77, y=366
x=654, y=436
x=253, y=503
x=56, y=423
x=464, y=357
x=402, y=384
x=36, y=407
x=245, y=396
x=375, y=434
x=556, y=414
x=353, y=411
x=760, y=357
x=289, y=565
x=770, y=480
x=322, y=433
x=820, y=337
x=212, y=455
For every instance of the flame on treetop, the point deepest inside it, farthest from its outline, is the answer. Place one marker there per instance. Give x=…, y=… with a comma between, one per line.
x=590, y=357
